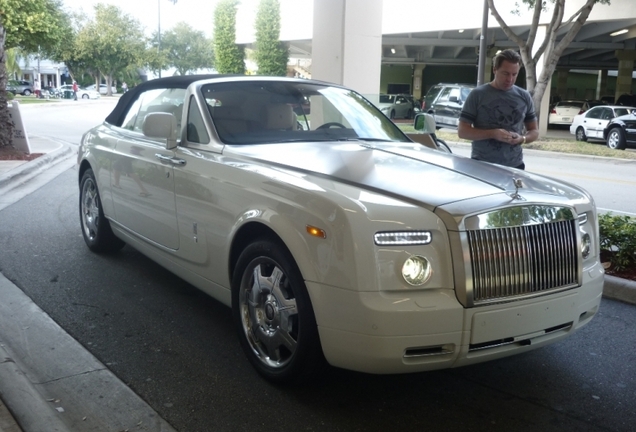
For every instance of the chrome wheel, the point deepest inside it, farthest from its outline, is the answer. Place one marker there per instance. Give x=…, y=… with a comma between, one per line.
x=273, y=314
x=96, y=230
x=616, y=139
x=89, y=209
x=269, y=313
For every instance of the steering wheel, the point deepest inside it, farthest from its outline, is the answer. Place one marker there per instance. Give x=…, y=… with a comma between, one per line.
x=329, y=124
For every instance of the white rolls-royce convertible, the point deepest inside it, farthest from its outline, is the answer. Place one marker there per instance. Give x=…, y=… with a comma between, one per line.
x=334, y=237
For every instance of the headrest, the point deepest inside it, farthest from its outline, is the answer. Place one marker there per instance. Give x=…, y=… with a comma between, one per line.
x=226, y=113
x=280, y=116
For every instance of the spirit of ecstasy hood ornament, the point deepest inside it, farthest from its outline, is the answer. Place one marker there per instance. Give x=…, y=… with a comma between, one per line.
x=518, y=185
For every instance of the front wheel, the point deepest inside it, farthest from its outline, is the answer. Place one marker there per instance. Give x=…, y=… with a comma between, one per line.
x=85, y=96
x=616, y=139
x=96, y=229
x=273, y=315
x=27, y=93
x=580, y=134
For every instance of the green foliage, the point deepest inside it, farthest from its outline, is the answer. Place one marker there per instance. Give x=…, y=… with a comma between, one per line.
x=187, y=49
x=31, y=25
x=230, y=58
x=271, y=54
x=618, y=239
x=111, y=43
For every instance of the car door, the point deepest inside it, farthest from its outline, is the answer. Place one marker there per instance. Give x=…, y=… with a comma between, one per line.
x=592, y=123
x=403, y=107
x=142, y=177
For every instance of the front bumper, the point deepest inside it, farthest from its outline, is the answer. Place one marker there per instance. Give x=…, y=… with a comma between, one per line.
x=379, y=332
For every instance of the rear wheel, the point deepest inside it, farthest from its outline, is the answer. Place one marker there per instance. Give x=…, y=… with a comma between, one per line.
x=580, y=134
x=85, y=96
x=273, y=315
x=616, y=139
x=95, y=227
x=27, y=92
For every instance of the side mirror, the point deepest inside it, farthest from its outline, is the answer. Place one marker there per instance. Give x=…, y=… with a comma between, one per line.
x=425, y=123
x=455, y=99
x=161, y=125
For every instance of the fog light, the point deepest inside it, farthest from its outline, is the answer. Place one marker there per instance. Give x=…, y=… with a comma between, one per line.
x=586, y=244
x=416, y=270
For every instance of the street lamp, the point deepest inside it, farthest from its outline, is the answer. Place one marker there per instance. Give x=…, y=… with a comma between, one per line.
x=159, y=28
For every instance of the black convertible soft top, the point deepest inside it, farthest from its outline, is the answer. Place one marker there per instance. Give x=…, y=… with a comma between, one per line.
x=116, y=117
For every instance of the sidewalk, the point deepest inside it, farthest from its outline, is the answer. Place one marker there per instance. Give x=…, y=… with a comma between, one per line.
x=48, y=381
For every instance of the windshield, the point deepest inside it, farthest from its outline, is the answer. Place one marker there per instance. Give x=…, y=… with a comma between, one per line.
x=259, y=112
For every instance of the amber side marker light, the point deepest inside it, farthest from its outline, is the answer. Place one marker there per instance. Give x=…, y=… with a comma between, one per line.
x=316, y=232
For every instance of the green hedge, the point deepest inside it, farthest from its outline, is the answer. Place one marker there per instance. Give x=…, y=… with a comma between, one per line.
x=618, y=240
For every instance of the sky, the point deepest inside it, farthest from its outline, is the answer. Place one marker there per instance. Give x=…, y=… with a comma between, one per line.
x=296, y=15
x=399, y=16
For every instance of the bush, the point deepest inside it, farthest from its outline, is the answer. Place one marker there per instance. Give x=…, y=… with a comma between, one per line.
x=618, y=240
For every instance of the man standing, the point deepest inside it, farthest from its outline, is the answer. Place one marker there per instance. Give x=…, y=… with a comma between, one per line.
x=499, y=117
x=37, y=88
x=75, y=89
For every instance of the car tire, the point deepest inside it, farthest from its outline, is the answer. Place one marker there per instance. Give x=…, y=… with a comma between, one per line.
x=580, y=134
x=616, y=139
x=85, y=96
x=273, y=315
x=27, y=93
x=96, y=229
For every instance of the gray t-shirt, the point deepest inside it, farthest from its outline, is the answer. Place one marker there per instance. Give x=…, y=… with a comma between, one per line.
x=489, y=108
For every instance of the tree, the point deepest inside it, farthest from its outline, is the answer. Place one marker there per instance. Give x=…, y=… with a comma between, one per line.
x=272, y=55
x=111, y=43
x=33, y=26
x=550, y=47
x=230, y=58
x=187, y=49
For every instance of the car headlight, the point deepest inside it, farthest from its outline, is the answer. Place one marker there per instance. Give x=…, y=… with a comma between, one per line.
x=416, y=270
x=586, y=245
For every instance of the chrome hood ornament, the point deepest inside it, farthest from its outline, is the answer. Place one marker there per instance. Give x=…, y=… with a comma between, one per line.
x=518, y=185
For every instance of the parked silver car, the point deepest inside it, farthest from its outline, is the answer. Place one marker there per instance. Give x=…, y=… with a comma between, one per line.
x=332, y=236
x=22, y=87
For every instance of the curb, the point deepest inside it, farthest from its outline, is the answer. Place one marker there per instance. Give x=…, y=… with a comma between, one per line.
x=619, y=289
x=27, y=171
x=50, y=382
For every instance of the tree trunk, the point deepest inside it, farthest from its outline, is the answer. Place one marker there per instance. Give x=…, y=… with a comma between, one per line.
x=6, y=124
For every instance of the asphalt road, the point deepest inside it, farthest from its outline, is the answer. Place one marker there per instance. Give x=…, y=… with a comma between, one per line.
x=176, y=348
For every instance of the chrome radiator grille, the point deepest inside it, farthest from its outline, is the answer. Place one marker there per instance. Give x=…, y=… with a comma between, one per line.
x=523, y=260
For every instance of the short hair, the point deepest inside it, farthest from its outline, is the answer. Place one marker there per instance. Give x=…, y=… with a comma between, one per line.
x=507, y=55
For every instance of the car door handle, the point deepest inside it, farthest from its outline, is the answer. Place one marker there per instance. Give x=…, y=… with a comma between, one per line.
x=171, y=160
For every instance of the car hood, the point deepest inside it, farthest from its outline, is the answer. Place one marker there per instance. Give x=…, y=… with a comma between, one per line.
x=412, y=173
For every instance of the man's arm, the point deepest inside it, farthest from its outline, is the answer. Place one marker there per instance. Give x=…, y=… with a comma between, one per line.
x=532, y=132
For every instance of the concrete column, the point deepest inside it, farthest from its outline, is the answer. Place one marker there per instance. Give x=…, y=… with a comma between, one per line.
x=562, y=83
x=601, y=84
x=347, y=44
x=625, y=69
x=417, y=81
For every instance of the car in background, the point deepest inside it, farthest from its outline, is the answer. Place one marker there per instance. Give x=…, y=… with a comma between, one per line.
x=397, y=106
x=592, y=123
x=333, y=237
x=103, y=89
x=82, y=93
x=620, y=132
x=563, y=112
x=445, y=102
x=626, y=100
x=22, y=87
